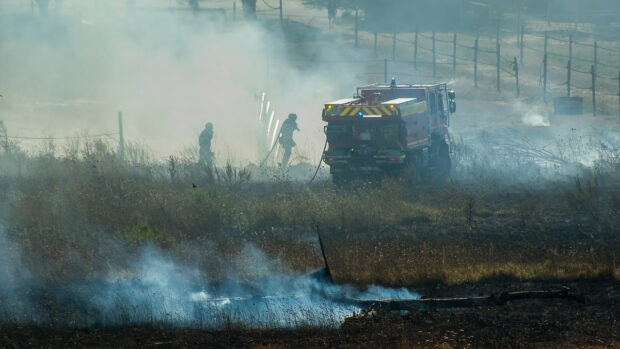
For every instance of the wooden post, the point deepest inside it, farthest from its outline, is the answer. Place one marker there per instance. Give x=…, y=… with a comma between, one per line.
x=375, y=44
x=498, y=68
x=454, y=57
x=394, y=47
x=521, y=44
x=593, y=90
x=546, y=39
x=596, y=56
x=497, y=34
x=476, y=62
x=568, y=77
x=516, y=70
x=281, y=18
x=356, y=25
x=4, y=137
x=415, y=49
x=518, y=19
x=545, y=78
x=385, y=70
x=434, y=57
x=570, y=47
x=121, y=137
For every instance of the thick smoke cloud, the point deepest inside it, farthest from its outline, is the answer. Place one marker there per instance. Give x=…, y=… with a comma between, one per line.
x=169, y=73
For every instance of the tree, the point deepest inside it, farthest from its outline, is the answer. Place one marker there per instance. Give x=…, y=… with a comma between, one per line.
x=43, y=6
x=249, y=9
x=193, y=4
x=332, y=7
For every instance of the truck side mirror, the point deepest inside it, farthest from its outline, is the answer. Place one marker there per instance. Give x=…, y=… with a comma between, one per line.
x=452, y=105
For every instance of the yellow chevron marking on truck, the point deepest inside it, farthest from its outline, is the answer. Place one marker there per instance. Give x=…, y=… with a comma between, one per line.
x=352, y=111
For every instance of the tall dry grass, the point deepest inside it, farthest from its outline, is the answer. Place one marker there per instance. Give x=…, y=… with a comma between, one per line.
x=79, y=210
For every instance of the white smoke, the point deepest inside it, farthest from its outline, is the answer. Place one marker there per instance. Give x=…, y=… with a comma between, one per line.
x=169, y=72
x=536, y=119
x=15, y=280
x=156, y=289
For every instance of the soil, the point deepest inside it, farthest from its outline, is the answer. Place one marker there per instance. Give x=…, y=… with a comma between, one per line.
x=557, y=323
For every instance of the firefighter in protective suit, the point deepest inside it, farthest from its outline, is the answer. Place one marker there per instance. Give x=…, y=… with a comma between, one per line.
x=286, y=137
x=204, y=141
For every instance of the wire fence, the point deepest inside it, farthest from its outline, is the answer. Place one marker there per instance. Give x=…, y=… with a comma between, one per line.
x=504, y=57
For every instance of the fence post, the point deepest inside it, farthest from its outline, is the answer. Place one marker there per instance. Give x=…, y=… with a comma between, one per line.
x=434, y=57
x=546, y=39
x=545, y=78
x=568, y=76
x=497, y=33
x=394, y=47
x=518, y=20
x=516, y=69
x=498, y=68
x=415, y=49
x=596, y=55
x=593, y=90
x=356, y=23
x=385, y=69
x=454, y=57
x=375, y=44
x=476, y=61
x=121, y=137
x=521, y=44
x=570, y=47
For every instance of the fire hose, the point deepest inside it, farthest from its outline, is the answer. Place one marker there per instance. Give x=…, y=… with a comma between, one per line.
x=320, y=162
x=268, y=154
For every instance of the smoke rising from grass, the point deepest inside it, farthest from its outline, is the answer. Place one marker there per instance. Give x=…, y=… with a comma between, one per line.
x=536, y=119
x=512, y=143
x=156, y=289
x=14, y=278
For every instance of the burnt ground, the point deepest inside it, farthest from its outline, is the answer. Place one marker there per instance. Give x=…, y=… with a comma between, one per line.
x=557, y=323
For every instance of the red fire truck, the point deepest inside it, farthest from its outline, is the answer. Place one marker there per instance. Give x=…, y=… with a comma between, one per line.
x=390, y=128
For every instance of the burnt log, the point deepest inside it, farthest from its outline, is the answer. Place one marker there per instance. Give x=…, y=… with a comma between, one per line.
x=427, y=304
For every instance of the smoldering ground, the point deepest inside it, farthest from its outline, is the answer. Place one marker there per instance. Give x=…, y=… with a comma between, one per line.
x=153, y=288
x=526, y=144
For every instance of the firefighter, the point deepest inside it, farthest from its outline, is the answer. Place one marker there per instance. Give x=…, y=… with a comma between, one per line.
x=286, y=137
x=204, y=141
